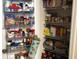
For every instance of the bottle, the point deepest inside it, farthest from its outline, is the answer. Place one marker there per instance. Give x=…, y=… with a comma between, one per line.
x=21, y=5
x=61, y=32
x=17, y=56
x=24, y=40
x=58, y=32
x=23, y=33
x=53, y=31
x=58, y=3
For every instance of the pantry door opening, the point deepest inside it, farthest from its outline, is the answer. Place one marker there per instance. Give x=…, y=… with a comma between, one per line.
x=58, y=28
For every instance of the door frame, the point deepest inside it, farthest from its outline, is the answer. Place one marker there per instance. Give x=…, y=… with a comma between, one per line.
x=73, y=37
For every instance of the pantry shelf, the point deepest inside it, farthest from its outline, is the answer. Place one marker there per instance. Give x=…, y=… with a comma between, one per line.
x=28, y=12
x=14, y=50
x=58, y=25
x=18, y=48
x=20, y=0
x=53, y=51
x=16, y=27
x=15, y=39
x=59, y=11
x=55, y=38
x=57, y=8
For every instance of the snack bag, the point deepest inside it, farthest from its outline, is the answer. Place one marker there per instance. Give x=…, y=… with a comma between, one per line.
x=46, y=32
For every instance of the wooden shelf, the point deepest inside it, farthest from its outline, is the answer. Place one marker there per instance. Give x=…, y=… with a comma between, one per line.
x=58, y=25
x=55, y=38
x=54, y=8
x=57, y=8
x=60, y=11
